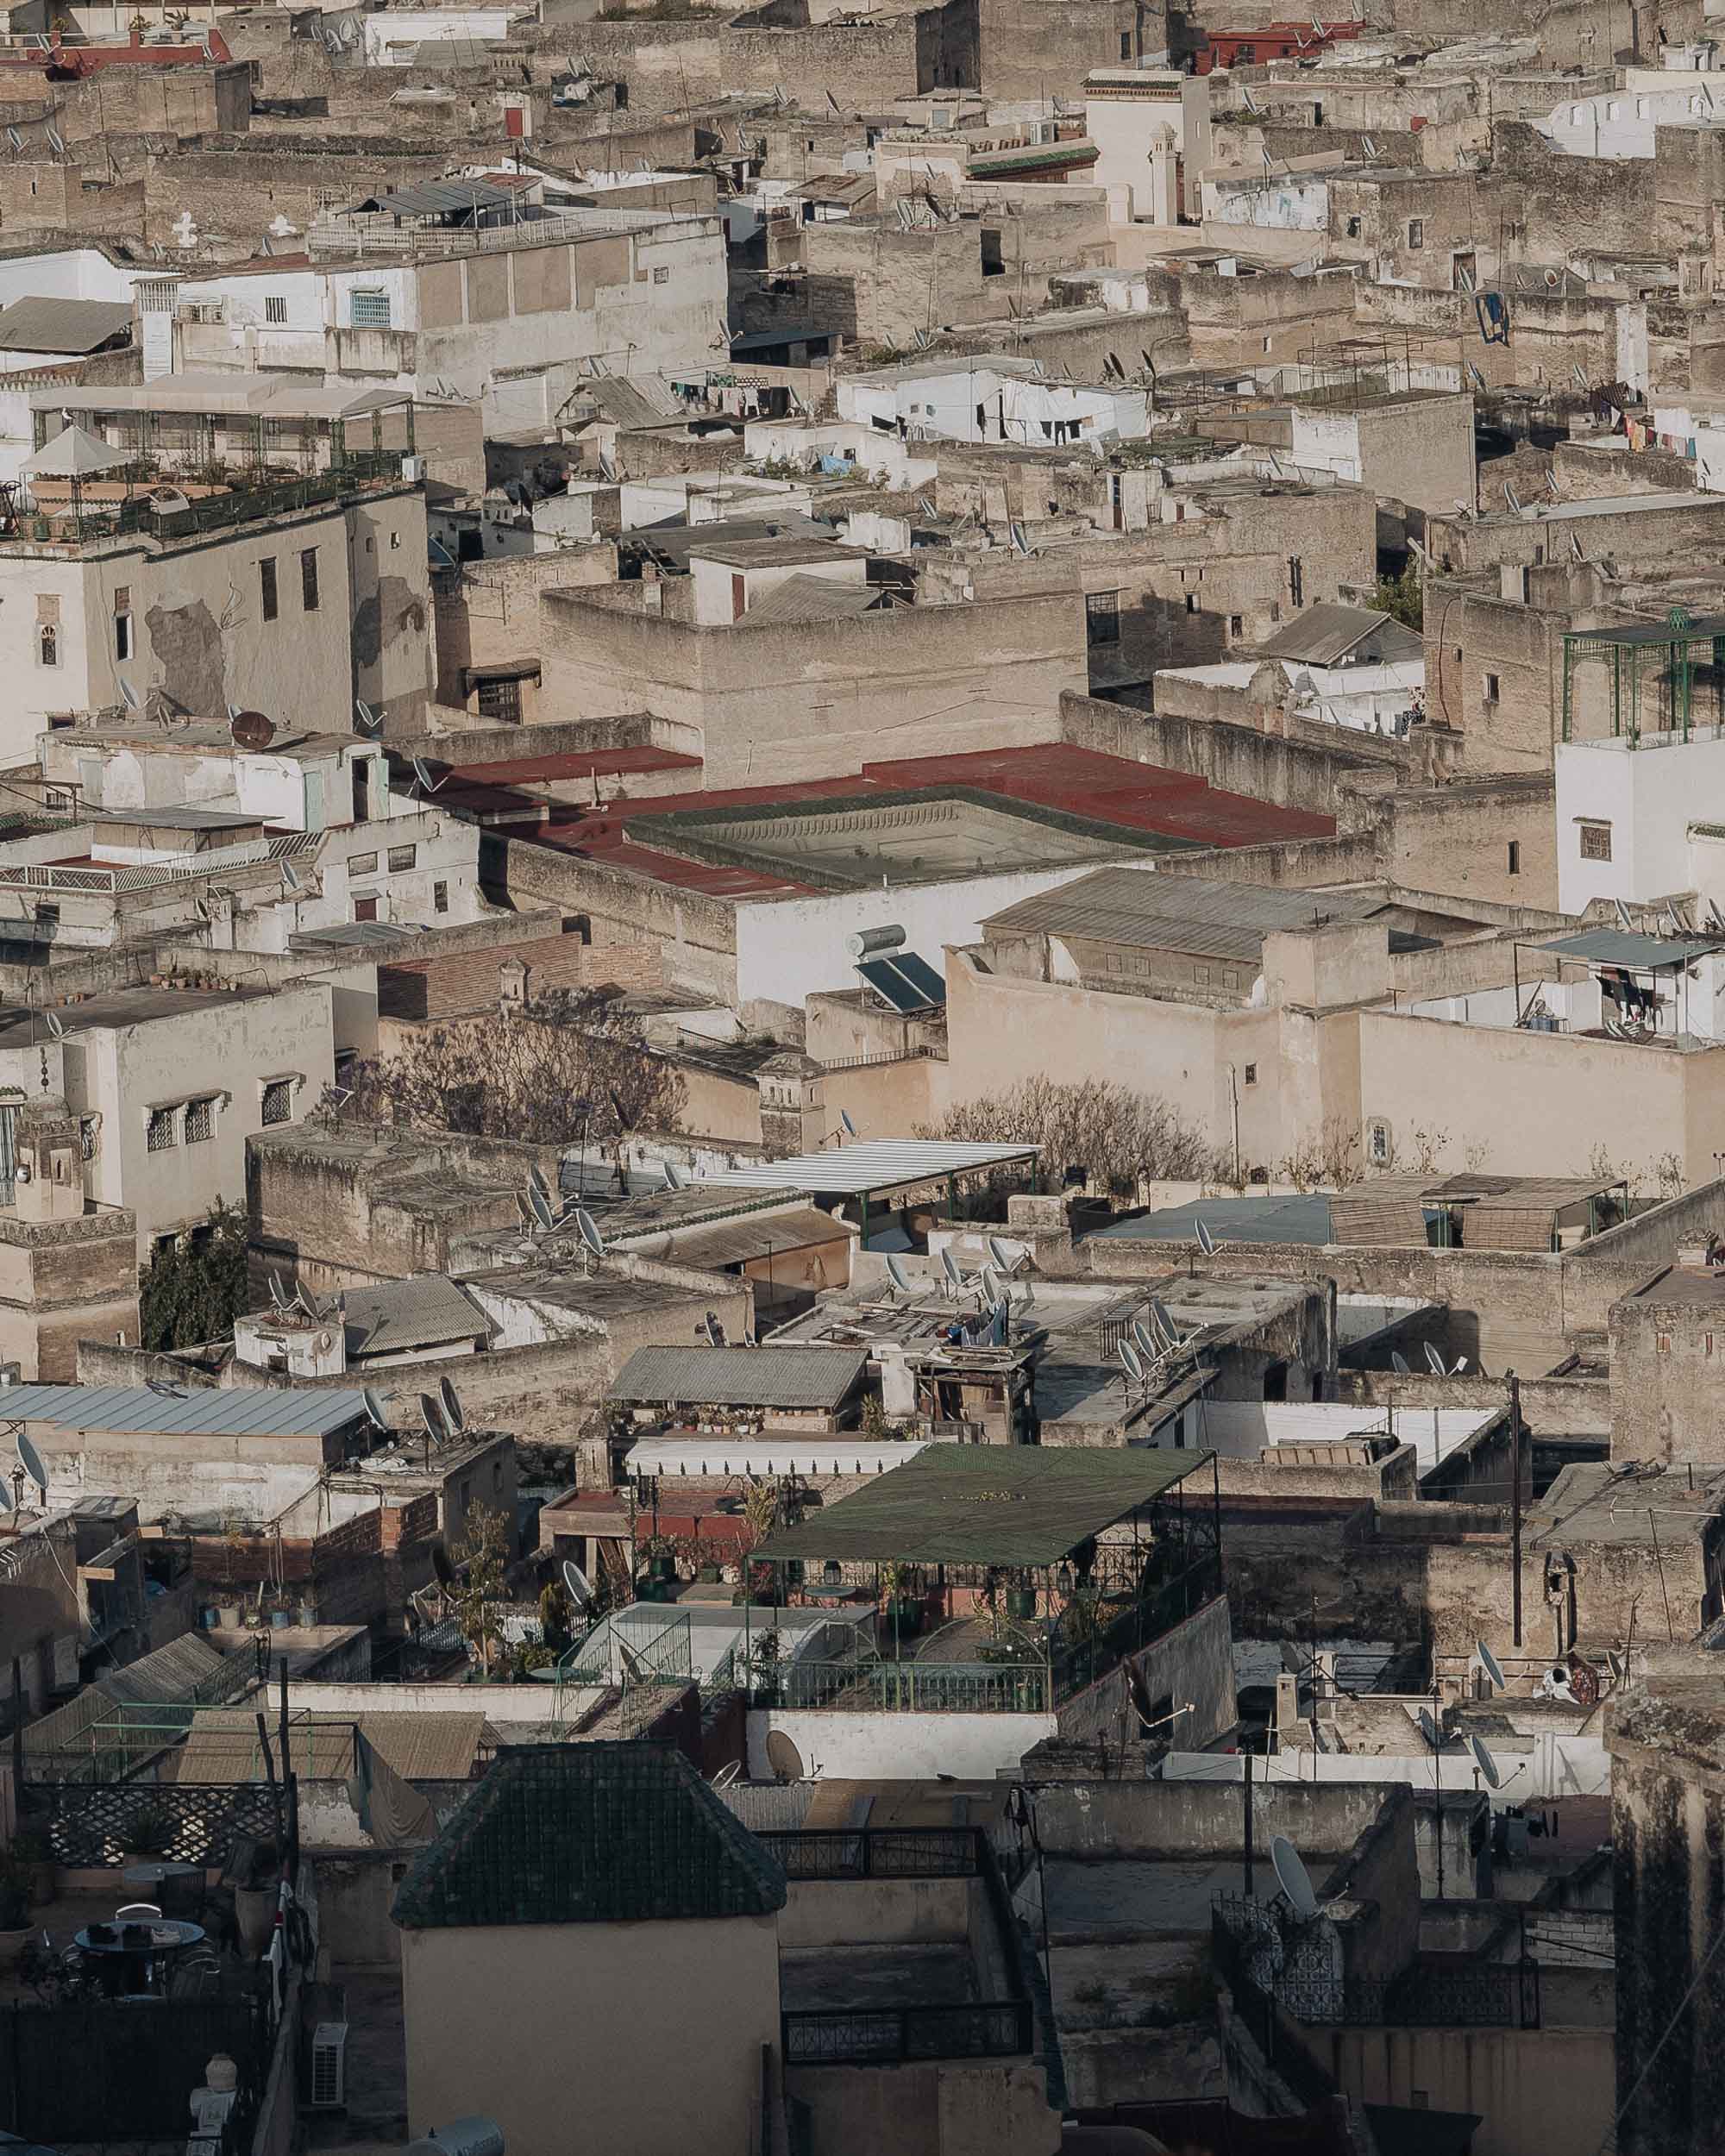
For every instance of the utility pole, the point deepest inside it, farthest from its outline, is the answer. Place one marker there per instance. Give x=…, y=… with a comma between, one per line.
x=1515, y=1507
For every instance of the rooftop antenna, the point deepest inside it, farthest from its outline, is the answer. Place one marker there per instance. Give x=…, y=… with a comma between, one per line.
x=1009, y=1264
x=374, y=1409
x=726, y=1775
x=56, y=141
x=1293, y=1878
x=1493, y=1669
x=278, y=1293
x=290, y=877
x=896, y=1273
x=14, y=138
x=454, y=1414
x=31, y=1461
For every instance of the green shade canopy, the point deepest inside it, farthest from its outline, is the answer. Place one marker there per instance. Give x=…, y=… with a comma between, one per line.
x=964, y=1504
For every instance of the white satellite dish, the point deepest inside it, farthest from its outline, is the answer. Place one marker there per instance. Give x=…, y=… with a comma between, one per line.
x=422, y=772
x=896, y=1273
x=375, y=1409
x=1429, y=1730
x=541, y=1204
x=1003, y=1257
x=1145, y=1340
x=431, y=1414
x=1207, y=1242
x=1129, y=1356
x=1399, y=1364
x=31, y=1461
x=51, y=1019
x=578, y=1587
x=948, y=1265
x=715, y=1331
x=1292, y=1877
x=726, y=1775
x=1492, y=1667
x=1434, y=1362
x=1483, y=1760
x=129, y=696
x=290, y=877
x=588, y=1233
x=536, y=1175
x=1623, y=918
x=1169, y=1330
x=850, y=1127
x=991, y=1284
x=454, y=1414
x=674, y=1175
x=368, y=719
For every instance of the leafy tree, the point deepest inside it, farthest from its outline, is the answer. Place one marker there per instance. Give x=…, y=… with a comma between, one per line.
x=525, y=1076
x=1121, y=1137
x=193, y=1291
x=480, y=1598
x=1402, y=597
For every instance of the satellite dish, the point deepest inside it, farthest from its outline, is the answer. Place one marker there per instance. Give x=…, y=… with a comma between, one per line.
x=252, y=730
x=1399, y=1364
x=726, y=1775
x=588, y=1233
x=129, y=696
x=1129, y=1356
x=1434, y=1362
x=1207, y=1242
x=1291, y=1875
x=53, y=1021
x=31, y=1461
x=1483, y=1760
x=422, y=772
x=14, y=138
x=432, y=1416
x=1429, y=1730
x=441, y=1566
x=715, y=1331
x=577, y=1584
x=1001, y=1256
x=1492, y=1667
x=1170, y=1331
x=674, y=1175
x=541, y=1206
x=375, y=1409
x=850, y=1127
x=783, y=1758
x=290, y=877
x=454, y=1414
x=991, y=1283
x=368, y=719
x=948, y=1265
x=536, y=1175
x=1145, y=1340
x=1623, y=918
x=278, y=1294
x=896, y=1273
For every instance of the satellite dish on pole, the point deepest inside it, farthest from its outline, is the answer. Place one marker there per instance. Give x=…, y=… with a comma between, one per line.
x=948, y=1265
x=1292, y=1877
x=588, y=1233
x=375, y=1409
x=1399, y=1364
x=1207, y=1242
x=1129, y=1357
x=542, y=1205
x=1001, y=1256
x=727, y=1774
x=1159, y=1317
x=31, y=1461
x=253, y=731
x=536, y=1175
x=577, y=1585
x=1145, y=1340
x=1490, y=1665
x=850, y=1127
x=1434, y=1362
x=674, y=1175
x=454, y=1414
x=896, y=1273
x=1429, y=1730
x=1483, y=1760
x=432, y=1416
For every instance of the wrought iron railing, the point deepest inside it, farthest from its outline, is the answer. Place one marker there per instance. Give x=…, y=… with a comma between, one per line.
x=110, y=2072
x=261, y=495
x=888, y=2036
x=878, y=1852
x=907, y=1688
x=110, y=1824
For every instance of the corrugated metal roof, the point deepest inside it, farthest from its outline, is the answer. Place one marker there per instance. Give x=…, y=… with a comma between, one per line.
x=599, y=1833
x=1175, y=913
x=62, y=325
x=869, y=1164
x=755, y=1235
x=397, y=1315
x=741, y=1377
x=1322, y=633
x=436, y=1746
x=813, y=599
x=963, y=1504
x=1623, y=947
x=185, y=1669
x=229, y=1411
x=439, y=198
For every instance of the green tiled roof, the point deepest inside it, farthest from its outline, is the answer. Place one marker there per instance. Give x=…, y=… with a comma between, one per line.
x=590, y=1833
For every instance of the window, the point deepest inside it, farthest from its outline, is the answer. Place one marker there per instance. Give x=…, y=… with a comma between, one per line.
x=361, y=865
x=200, y=1122
x=400, y=858
x=1251, y=1074
x=1297, y=580
x=1596, y=842
x=271, y=603
x=1126, y=45
x=308, y=580
x=500, y=700
x=1202, y=975
x=47, y=916
x=1236, y=625
x=1101, y=617
x=1353, y=227
x=1662, y=1343
x=275, y=312
x=440, y=898
x=278, y=1103
x=1377, y=1146
x=1489, y=690
x=369, y=308
x=1515, y=857
x=48, y=643
x=661, y=276
x=159, y=1134
x=1416, y=232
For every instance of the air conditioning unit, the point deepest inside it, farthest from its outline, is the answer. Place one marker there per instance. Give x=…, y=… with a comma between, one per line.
x=413, y=469
x=329, y=2067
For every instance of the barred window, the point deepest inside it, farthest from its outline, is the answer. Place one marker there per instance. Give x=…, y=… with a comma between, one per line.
x=361, y=865
x=160, y=1133
x=275, y=311
x=278, y=1100
x=369, y=309
x=400, y=857
x=200, y=1121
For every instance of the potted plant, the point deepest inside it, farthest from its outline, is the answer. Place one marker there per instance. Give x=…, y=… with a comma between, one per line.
x=661, y=1559
x=33, y=1849
x=17, y=1879
x=766, y=1658
x=150, y=1831
x=1020, y=1598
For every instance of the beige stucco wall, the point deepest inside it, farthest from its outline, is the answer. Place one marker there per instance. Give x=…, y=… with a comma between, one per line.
x=1534, y=2090
x=553, y=2030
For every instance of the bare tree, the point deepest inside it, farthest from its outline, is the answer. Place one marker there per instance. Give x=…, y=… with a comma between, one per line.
x=568, y=1066
x=1120, y=1137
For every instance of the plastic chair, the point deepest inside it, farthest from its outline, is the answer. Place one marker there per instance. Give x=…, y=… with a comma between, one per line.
x=134, y=1910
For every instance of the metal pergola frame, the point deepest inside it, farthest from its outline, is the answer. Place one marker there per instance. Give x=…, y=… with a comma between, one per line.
x=1673, y=642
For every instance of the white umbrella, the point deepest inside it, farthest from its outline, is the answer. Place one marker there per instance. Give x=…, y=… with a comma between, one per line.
x=74, y=455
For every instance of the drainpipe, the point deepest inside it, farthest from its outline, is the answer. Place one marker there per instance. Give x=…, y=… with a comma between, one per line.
x=1234, y=1105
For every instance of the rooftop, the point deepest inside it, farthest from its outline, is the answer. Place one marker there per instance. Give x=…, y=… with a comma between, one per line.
x=1303, y=1218
x=172, y=1410
x=870, y=1164
x=1186, y=913
x=1013, y=1505
x=1627, y=1501
x=396, y=1316
x=72, y=326
x=590, y=1833
x=1626, y=948
x=787, y=1377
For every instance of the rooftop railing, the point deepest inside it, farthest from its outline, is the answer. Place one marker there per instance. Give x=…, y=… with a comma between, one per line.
x=265, y=495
